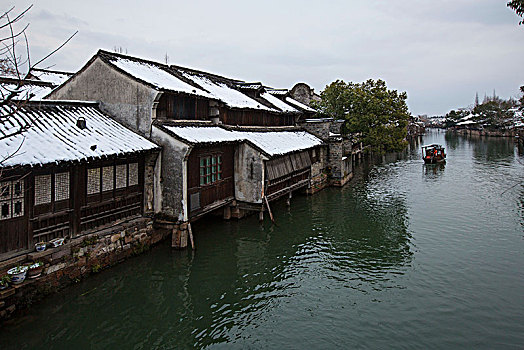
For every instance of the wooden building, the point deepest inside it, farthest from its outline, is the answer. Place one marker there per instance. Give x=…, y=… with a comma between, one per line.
x=66, y=168
x=151, y=97
x=220, y=165
x=138, y=92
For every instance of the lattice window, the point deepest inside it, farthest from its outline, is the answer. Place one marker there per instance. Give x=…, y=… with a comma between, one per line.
x=210, y=169
x=93, y=180
x=61, y=186
x=121, y=176
x=5, y=190
x=42, y=189
x=18, y=189
x=107, y=178
x=18, y=207
x=5, y=210
x=133, y=174
x=11, y=199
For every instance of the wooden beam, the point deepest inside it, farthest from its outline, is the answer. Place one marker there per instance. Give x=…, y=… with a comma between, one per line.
x=191, y=236
x=269, y=210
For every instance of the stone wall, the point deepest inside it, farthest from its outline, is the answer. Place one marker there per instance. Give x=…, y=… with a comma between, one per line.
x=249, y=174
x=340, y=161
x=493, y=133
x=173, y=179
x=318, y=127
x=77, y=259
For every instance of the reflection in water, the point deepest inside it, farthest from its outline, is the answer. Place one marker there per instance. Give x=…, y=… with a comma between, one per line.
x=433, y=171
x=395, y=259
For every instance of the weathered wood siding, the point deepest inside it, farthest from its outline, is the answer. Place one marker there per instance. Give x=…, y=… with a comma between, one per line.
x=182, y=107
x=65, y=206
x=255, y=118
x=287, y=173
x=200, y=196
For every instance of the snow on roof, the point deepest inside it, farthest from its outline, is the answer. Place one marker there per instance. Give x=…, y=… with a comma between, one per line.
x=28, y=91
x=277, y=92
x=156, y=75
x=54, y=77
x=299, y=104
x=467, y=122
x=271, y=142
x=53, y=134
x=278, y=103
x=228, y=95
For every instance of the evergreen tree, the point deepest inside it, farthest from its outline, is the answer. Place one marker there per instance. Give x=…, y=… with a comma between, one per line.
x=380, y=115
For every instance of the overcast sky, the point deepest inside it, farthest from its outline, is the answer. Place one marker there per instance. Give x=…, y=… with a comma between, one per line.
x=439, y=52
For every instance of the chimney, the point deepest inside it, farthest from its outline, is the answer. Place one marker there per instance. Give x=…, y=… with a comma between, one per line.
x=214, y=112
x=81, y=123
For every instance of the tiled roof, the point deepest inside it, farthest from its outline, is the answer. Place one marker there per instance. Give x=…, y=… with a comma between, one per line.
x=52, y=134
x=272, y=143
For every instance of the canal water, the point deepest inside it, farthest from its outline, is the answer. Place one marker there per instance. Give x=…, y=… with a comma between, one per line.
x=405, y=256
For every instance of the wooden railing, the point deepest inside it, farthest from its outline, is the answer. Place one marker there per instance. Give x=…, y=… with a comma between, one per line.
x=48, y=226
x=211, y=193
x=99, y=214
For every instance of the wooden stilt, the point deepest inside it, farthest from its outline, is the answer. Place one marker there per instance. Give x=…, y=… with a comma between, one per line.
x=269, y=210
x=191, y=236
x=261, y=216
x=288, y=201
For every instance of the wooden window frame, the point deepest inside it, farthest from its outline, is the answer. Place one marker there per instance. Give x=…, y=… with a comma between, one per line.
x=210, y=173
x=12, y=198
x=54, y=205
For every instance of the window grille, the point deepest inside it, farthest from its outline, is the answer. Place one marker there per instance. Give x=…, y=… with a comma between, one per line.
x=93, y=180
x=18, y=207
x=5, y=190
x=61, y=186
x=133, y=174
x=42, y=189
x=5, y=210
x=210, y=169
x=121, y=176
x=107, y=178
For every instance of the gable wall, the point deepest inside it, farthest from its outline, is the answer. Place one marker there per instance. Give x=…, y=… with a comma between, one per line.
x=128, y=101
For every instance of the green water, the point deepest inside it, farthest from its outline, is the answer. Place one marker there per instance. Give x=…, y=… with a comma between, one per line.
x=405, y=256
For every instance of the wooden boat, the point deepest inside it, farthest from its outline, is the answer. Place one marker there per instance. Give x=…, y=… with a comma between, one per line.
x=433, y=154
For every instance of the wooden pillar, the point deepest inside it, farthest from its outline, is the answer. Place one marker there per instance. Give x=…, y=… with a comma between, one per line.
x=227, y=212
x=261, y=216
x=179, y=236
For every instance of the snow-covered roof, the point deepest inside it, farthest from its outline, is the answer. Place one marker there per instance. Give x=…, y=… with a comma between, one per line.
x=277, y=92
x=54, y=77
x=275, y=101
x=223, y=92
x=186, y=80
x=29, y=90
x=52, y=134
x=270, y=142
x=33, y=92
x=156, y=75
x=299, y=104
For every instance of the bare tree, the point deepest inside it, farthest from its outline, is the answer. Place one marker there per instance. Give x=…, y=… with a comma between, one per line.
x=518, y=7
x=15, y=62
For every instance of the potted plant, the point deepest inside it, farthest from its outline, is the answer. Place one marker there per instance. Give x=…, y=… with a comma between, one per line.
x=4, y=282
x=35, y=269
x=40, y=246
x=17, y=274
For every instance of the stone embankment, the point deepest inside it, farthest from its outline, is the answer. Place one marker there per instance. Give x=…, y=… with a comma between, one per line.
x=74, y=260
